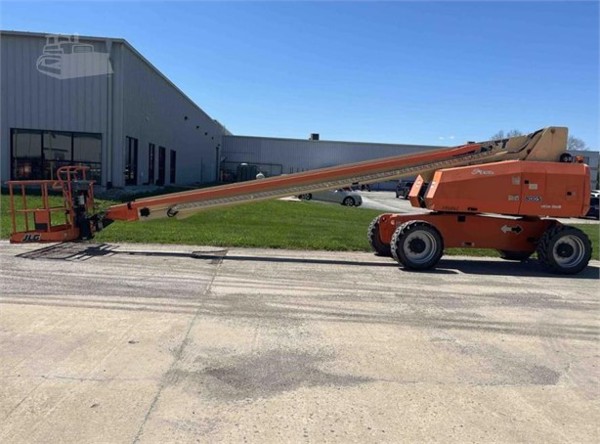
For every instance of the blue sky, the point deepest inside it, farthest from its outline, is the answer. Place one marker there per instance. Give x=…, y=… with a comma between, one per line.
x=398, y=72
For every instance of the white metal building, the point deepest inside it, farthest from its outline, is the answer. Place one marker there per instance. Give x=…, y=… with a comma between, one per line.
x=274, y=156
x=97, y=101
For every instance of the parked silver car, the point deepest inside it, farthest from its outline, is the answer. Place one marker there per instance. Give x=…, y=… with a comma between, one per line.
x=348, y=198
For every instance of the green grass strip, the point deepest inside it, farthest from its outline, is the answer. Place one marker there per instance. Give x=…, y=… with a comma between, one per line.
x=272, y=224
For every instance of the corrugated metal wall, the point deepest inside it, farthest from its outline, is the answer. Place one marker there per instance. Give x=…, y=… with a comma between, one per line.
x=153, y=112
x=135, y=101
x=33, y=100
x=299, y=155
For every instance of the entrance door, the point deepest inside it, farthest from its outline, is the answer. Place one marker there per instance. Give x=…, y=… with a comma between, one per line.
x=173, y=167
x=151, y=153
x=131, y=160
x=162, y=156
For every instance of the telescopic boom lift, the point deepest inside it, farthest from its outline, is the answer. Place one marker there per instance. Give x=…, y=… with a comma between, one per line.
x=495, y=194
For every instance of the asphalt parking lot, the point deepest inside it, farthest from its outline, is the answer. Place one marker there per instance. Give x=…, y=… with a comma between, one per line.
x=154, y=344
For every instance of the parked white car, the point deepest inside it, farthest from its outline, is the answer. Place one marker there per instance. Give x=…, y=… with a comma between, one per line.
x=595, y=193
x=348, y=198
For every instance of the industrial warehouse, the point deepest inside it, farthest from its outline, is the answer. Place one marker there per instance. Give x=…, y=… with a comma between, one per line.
x=96, y=101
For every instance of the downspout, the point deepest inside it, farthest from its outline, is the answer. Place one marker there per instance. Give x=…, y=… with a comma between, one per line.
x=218, y=164
x=109, y=119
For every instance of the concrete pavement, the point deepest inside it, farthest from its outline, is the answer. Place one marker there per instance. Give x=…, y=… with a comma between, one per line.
x=155, y=344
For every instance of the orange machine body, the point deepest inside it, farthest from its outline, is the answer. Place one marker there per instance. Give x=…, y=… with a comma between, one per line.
x=518, y=192
x=520, y=188
x=461, y=230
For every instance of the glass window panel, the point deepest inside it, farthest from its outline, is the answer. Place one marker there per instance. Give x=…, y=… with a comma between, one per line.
x=27, y=154
x=87, y=148
x=38, y=154
x=57, y=146
x=87, y=151
x=26, y=144
x=57, y=152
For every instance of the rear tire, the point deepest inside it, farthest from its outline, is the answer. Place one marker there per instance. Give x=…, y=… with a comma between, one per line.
x=514, y=255
x=564, y=250
x=377, y=245
x=417, y=245
x=306, y=196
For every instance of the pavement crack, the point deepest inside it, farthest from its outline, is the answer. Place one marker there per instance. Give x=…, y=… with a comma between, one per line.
x=177, y=355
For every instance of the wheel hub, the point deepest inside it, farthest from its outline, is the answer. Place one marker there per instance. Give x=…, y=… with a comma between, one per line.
x=565, y=250
x=417, y=245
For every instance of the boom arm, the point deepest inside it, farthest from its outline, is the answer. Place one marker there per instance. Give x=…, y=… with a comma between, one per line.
x=543, y=145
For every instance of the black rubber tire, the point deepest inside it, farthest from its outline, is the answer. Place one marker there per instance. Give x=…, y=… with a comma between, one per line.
x=306, y=196
x=348, y=202
x=515, y=255
x=378, y=247
x=564, y=250
x=417, y=245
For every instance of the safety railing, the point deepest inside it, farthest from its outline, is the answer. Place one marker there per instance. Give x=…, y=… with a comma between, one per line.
x=35, y=215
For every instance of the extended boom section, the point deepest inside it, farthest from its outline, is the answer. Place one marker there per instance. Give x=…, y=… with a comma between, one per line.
x=546, y=144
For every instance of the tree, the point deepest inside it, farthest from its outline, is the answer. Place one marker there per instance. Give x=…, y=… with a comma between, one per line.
x=512, y=133
x=574, y=143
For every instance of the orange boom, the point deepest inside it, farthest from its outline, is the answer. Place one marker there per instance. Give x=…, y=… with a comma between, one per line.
x=520, y=180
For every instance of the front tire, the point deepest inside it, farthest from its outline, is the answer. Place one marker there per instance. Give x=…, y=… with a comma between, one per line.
x=349, y=202
x=564, y=250
x=417, y=245
x=379, y=247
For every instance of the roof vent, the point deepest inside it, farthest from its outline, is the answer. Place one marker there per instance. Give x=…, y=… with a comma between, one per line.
x=314, y=136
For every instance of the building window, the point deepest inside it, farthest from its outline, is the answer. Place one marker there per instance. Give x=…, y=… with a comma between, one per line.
x=37, y=154
x=57, y=152
x=26, y=154
x=162, y=155
x=173, y=166
x=151, y=154
x=131, y=161
x=87, y=150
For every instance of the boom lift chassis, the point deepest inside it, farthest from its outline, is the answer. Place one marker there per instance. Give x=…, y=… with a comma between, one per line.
x=495, y=194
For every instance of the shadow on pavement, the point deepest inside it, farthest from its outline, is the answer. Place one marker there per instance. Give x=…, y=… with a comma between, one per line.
x=530, y=268
x=449, y=265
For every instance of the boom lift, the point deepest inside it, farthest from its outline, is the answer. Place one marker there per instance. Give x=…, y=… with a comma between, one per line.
x=521, y=180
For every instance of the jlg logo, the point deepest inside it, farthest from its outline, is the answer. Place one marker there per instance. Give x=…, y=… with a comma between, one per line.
x=479, y=171
x=32, y=238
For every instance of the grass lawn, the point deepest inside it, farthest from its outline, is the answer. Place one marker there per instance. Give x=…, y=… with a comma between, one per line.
x=272, y=224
